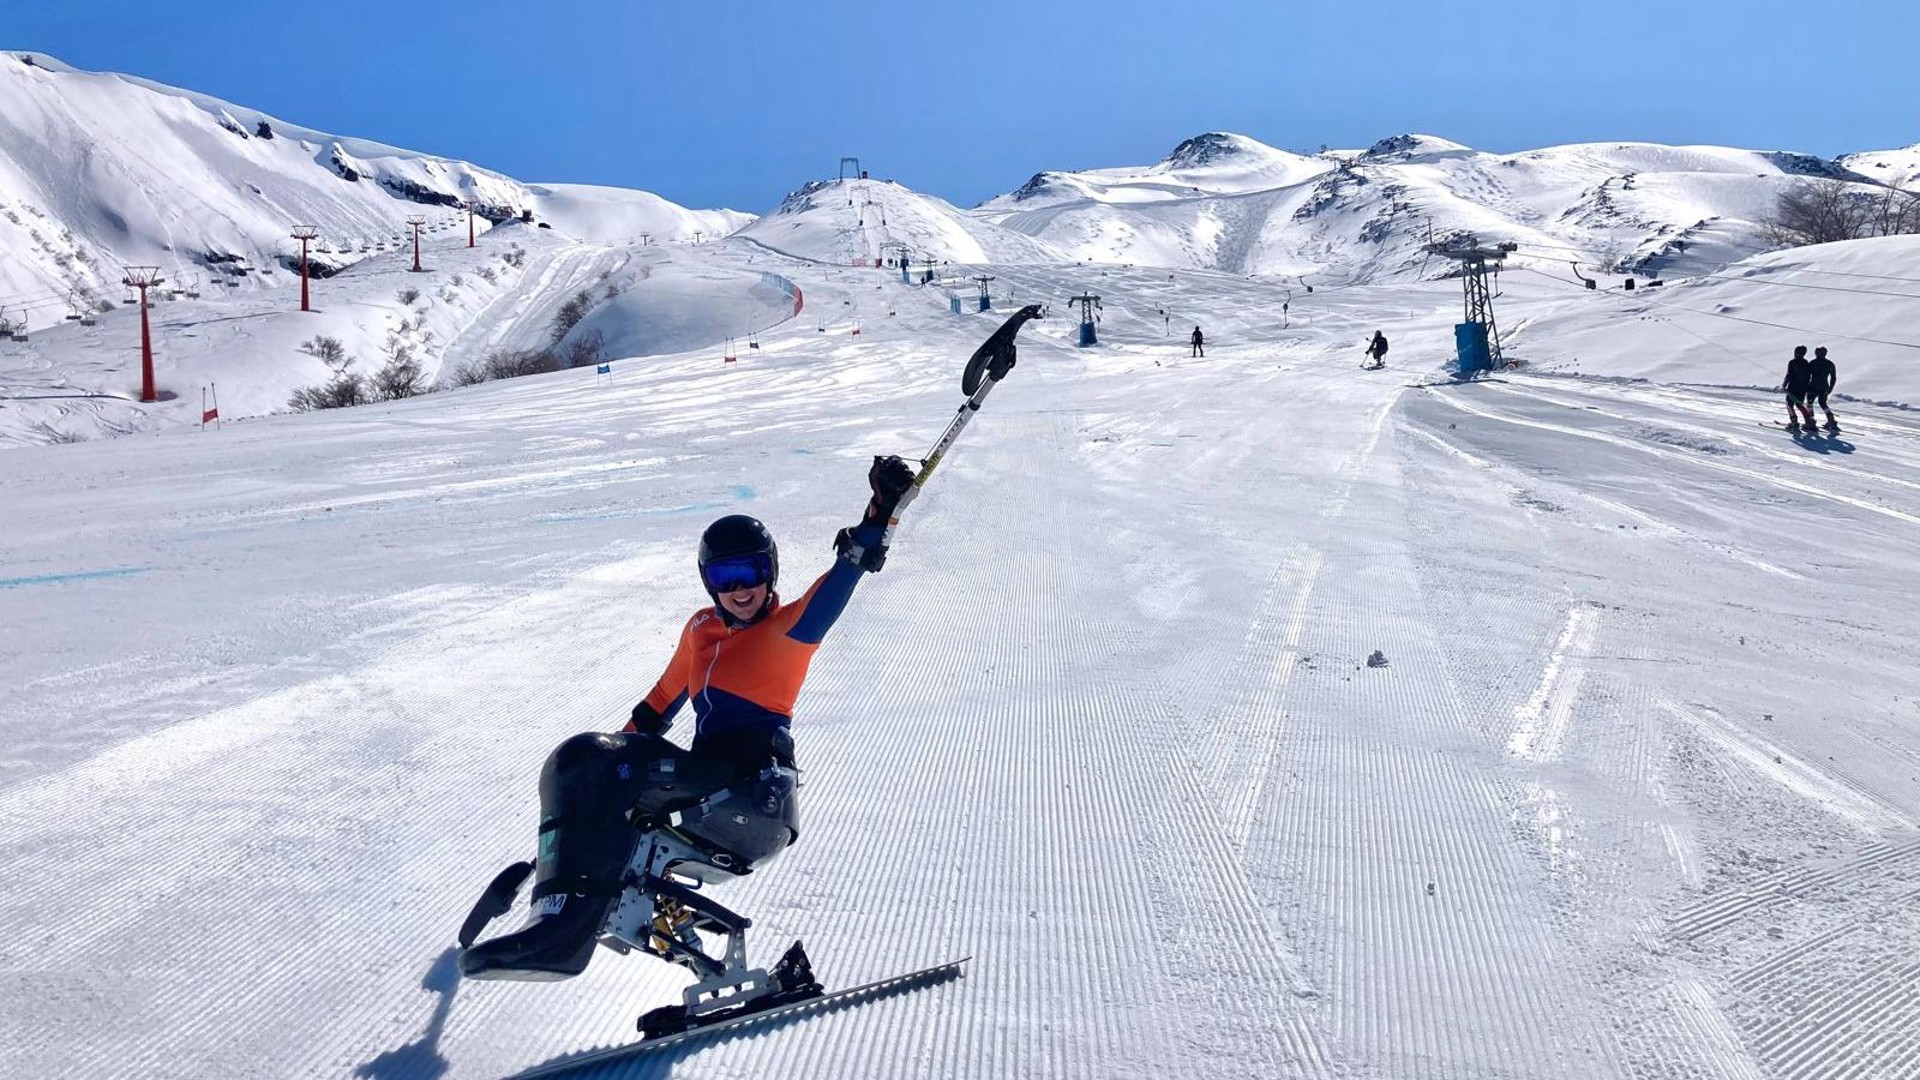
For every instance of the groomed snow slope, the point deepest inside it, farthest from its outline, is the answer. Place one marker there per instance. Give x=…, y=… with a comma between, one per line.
x=1631, y=793
x=1738, y=326
x=73, y=381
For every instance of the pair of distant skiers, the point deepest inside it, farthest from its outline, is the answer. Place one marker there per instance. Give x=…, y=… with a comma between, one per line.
x=1808, y=383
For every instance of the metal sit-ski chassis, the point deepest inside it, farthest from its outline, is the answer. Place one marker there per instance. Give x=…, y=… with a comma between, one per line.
x=664, y=855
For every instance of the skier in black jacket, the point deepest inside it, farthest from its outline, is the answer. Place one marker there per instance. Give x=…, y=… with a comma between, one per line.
x=1797, y=384
x=1199, y=344
x=1824, y=379
x=1376, y=351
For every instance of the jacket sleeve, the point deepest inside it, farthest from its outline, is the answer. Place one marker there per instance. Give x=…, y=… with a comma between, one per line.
x=816, y=612
x=670, y=692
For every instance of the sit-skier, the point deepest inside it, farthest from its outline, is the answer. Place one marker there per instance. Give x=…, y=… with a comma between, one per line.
x=1376, y=352
x=741, y=663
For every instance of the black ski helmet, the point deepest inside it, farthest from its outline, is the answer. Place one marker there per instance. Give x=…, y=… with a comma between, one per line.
x=738, y=534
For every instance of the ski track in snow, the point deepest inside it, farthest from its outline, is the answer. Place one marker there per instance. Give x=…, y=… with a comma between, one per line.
x=1105, y=723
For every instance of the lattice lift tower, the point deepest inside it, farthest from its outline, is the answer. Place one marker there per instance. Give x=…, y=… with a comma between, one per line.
x=1089, y=306
x=1476, y=341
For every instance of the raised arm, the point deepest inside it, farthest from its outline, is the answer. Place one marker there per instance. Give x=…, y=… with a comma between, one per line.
x=862, y=550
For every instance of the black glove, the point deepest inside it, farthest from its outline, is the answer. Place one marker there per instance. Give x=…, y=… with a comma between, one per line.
x=870, y=558
x=646, y=721
x=890, y=477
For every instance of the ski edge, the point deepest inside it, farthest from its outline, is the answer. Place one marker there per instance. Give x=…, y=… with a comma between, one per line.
x=839, y=999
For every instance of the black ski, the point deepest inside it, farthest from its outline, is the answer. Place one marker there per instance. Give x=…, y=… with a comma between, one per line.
x=719, y=1029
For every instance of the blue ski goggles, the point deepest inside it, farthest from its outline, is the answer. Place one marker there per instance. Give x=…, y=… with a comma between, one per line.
x=735, y=572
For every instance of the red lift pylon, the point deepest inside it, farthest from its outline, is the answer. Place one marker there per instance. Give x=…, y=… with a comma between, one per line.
x=471, y=204
x=143, y=278
x=416, y=221
x=304, y=233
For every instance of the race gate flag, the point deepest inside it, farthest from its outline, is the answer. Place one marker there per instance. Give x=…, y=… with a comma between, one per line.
x=603, y=369
x=209, y=406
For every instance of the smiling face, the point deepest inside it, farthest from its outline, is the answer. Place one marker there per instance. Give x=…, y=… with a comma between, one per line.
x=744, y=604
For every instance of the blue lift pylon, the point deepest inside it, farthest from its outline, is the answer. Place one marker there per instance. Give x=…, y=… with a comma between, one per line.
x=986, y=298
x=1089, y=306
x=1476, y=339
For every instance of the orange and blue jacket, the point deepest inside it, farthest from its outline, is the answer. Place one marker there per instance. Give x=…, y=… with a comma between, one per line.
x=743, y=680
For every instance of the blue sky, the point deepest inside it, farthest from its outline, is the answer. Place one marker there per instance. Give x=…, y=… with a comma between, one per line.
x=736, y=103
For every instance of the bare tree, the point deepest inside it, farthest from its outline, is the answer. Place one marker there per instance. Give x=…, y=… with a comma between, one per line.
x=1822, y=211
x=570, y=314
x=588, y=348
x=1896, y=213
x=328, y=349
x=346, y=388
x=401, y=376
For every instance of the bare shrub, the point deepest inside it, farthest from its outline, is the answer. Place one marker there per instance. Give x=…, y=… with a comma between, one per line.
x=329, y=350
x=345, y=389
x=588, y=348
x=401, y=376
x=509, y=364
x=407, y=296
x=472, y=373
x=1823, y=211
x=570, y=314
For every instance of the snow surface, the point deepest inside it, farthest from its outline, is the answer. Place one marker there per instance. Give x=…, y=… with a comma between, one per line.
x=1632, y=792
x=1633, y=795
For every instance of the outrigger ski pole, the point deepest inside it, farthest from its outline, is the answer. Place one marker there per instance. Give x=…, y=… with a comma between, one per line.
x=988, y=365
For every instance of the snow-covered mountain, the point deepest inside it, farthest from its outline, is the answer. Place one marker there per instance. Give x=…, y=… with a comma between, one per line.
x=857, y=221
x=99, y=171
x=1228, y=202
x=1897, y=168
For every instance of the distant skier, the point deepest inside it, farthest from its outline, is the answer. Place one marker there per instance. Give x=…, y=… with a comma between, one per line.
x=1376, y=352
x=1199, y=344
x=1824, y=377
x=741, y=663
x=1797, y=384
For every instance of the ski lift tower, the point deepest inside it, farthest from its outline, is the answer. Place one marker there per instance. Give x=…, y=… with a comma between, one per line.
x=304, y=234
x=1476, y=341
x=416, y=220
x=986, y=298
x=1088, y=305
x=906, y=263
x=855, y=162
x=144, y=278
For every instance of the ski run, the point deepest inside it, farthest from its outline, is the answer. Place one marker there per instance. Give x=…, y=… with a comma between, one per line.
x=1246, y=716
